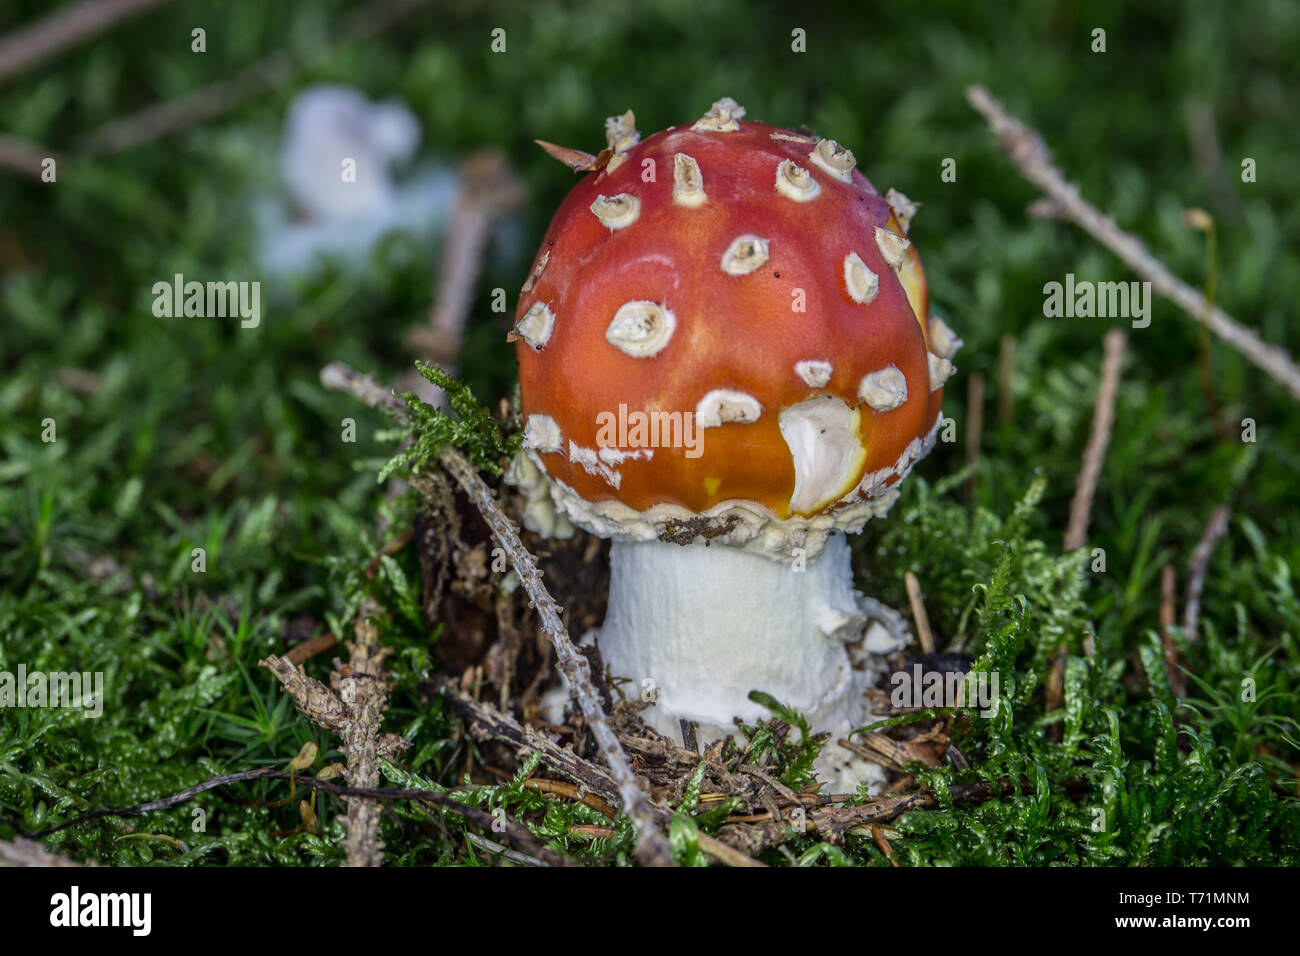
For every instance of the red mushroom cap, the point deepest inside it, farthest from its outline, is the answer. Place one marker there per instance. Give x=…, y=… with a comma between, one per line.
x=728, y=271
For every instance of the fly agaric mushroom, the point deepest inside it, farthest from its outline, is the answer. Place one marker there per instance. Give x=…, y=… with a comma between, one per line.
x=727, y=364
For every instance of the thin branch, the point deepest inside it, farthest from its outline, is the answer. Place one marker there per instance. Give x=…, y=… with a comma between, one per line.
x=486, y=721
x=515, y=832
x=353, y=708
x=1168, y=620
x=922, y=620
x=208, y=102
x=652, y=848
x=1027, y=150
x=23, y=156
x=61, y=29
x=21, y=852
x=1103, y=417
x=1006, y=379
x=263, y=75
x=363, y=686
x=725, y=853
x=974, y=429
x=1197, y=568
x=488, y=190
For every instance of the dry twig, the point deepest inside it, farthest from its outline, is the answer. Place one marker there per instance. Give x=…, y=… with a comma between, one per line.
x=488, y=190
x=1197, y=568
x=485, y=721
x=919, y=617
x=652, y=848
x=354, y=709
x=1168, y=620
x=974, y=429
x=211, y=101
x=1076, y=532
x=23, y=157
x=23, y=852
x=1027, y=150
x=1006, y=379
x=61, y=29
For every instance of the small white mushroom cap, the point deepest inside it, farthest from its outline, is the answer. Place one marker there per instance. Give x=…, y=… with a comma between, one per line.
x=328, y=124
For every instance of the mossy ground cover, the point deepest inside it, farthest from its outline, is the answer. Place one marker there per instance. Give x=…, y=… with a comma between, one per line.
x=196, y=433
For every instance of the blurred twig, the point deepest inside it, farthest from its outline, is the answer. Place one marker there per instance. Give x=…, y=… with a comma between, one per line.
x=1197, y=568
x=652, y=848
x=63, y=28
x=1076, y=532
x=24, y=852
x=204, y=104
x=1027, y=150
x=1168, y=621
x=488, y=189
x=22, y=156
x=974, y=430
x=208, y=102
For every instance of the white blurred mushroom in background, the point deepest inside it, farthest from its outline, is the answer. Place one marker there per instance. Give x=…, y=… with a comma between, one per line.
x=339, y=160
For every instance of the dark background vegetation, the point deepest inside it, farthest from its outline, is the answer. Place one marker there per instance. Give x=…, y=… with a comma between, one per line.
x=198, y=433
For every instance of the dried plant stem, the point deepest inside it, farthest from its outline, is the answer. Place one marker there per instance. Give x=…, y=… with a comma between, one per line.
x=974, y=429
x=1027, y=150
x=1197, y=568
x=652, y=848
x=1006, y=379
x=515, y=832
x=61, y=29
x=23, y=156
x=23, y=852
x=1076, y=532
x=922, y=620
x=209, y=102
x=353, y=708
x=363, y=685
x=1168, y=620
x=487, y=722
x=204, y=104
x=488, y=190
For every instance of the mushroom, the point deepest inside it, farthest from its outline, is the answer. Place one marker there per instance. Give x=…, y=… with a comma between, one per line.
x=726, y=366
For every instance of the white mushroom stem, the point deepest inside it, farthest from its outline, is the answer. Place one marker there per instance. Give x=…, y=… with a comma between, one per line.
x=697, y=628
